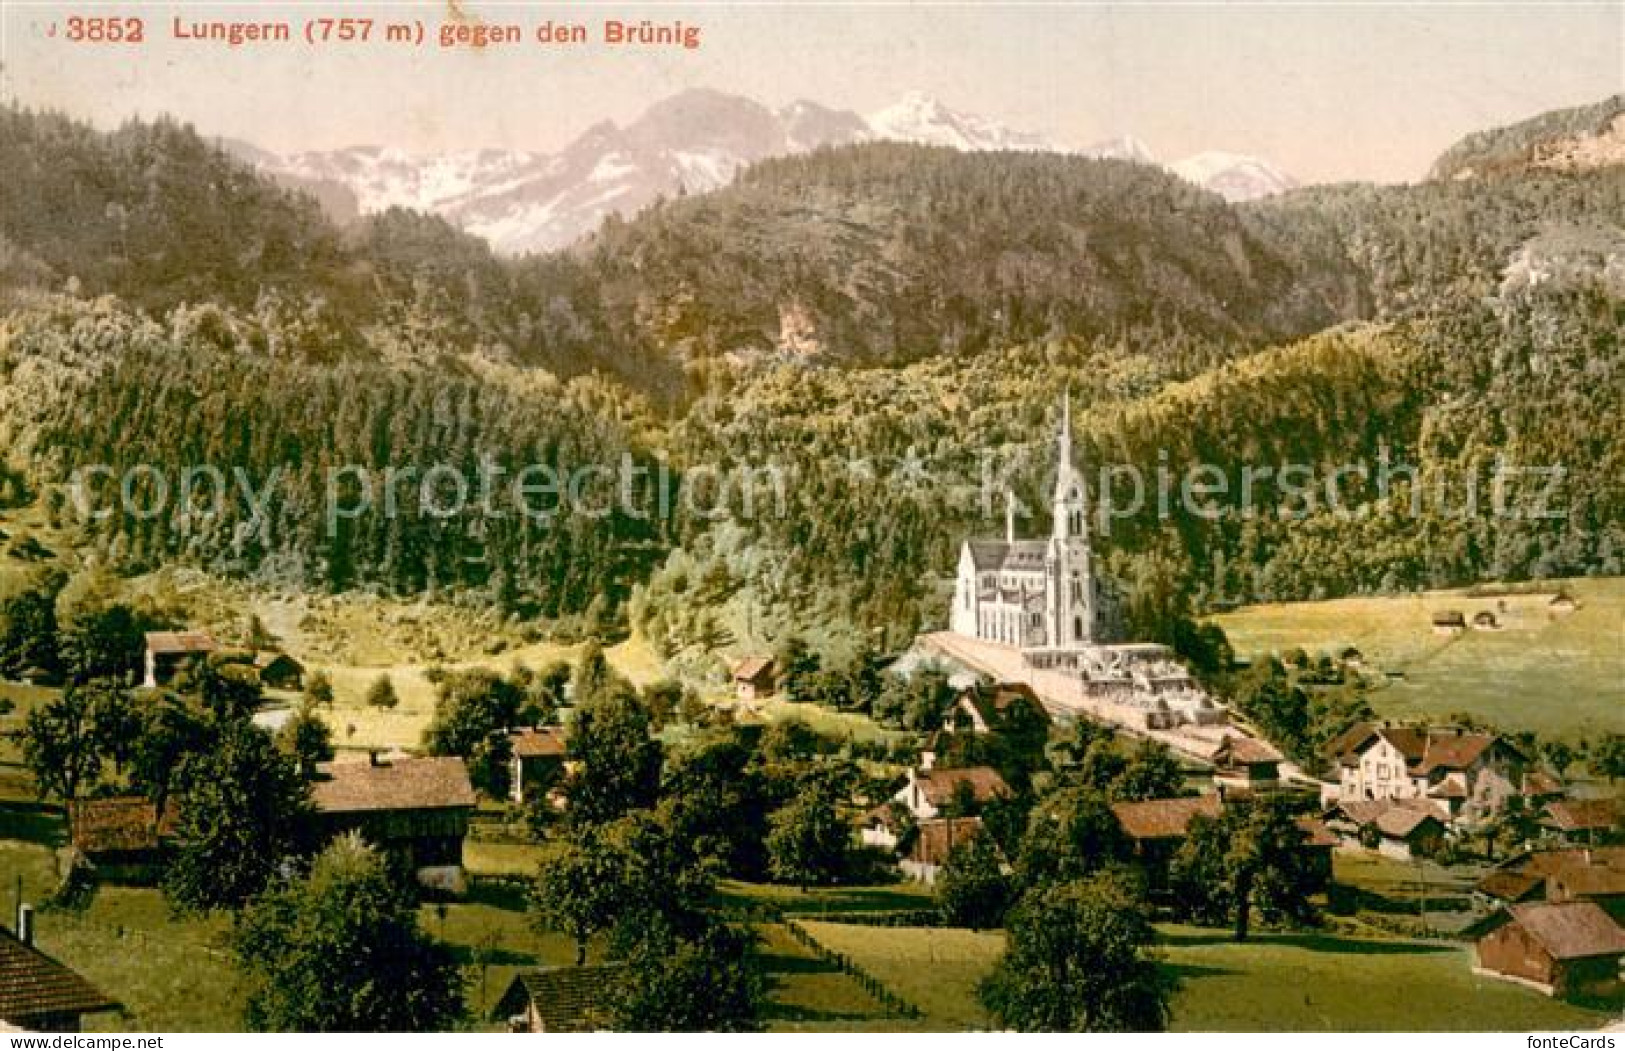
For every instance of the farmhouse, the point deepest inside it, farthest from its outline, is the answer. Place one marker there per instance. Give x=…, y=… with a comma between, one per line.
x=167, y=652
x=36, y=992
x=1594, y=883
x=1565, y=949
x=414, y=808
x=1530, y=876
x=1581, y=821
x=1157, y=827
x=1469, y=774
x=755, y=678
x=1402, y=829
x=1246, y=763
x=929, y=792
x=558, y=1000
x=122, y=837
x=935, y=842
x=538, y=760
x=278, y=670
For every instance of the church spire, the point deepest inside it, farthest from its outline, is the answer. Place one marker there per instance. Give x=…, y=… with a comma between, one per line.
x=1068, y=502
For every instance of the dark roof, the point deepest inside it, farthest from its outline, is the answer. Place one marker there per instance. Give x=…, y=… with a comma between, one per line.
x=1510, y=887
x=180, y=642
x=989, y=555
x=1319, y=835
x=1571, y=930
x=1449, y=617
x=939, y=785
x=568, y=999
x=1244, y=751
x=543, y=742
x=263, y=659
x=993, y=703
x=751, y=669
x=33, y=986
x=939, y=836
x=401, y=783
x=1164, y=818
x=1580, y=815
x=119, y=824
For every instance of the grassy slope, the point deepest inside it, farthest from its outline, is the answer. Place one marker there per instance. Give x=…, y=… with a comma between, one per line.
x=1559, y=675
x=1276, y=982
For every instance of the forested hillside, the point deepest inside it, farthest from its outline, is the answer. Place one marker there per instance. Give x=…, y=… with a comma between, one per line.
x=882, y=328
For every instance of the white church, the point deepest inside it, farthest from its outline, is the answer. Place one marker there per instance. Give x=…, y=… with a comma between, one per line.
x=1036, y=594
x=1044, y=598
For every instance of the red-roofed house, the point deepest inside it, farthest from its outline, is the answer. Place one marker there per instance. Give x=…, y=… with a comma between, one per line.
x=538, y=761
x=929, y=792
x=416, y=808
x=1470, y=775
x=37, y=993
x=755, y=678
x=1246, y=763
x=170, y=651
x=934, y=842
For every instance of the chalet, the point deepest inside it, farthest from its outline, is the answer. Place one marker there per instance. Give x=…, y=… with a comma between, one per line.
x=167, y=652
x=1246, y=763
x=1403, y=829
x=1449, y=622
x=538, y=761
x=413, y=808
x=1011, y=706
x=755, y=678
x=929, y=792
x=1470, y=775
x=1157, y=827
x=935, y=842
x=1598, y=884
x=36, y=992
x=1503, y=887
x=558, y=1000
x=1562, y=949
x=278, y=671
x=1581, y=821
x=122, y=837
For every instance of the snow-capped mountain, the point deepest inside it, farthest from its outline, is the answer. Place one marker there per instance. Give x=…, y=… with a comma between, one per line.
x=920, y=118
x=1233, y=176
x=689, y=143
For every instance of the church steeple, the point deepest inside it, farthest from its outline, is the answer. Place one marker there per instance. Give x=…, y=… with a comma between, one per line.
x=1068, y=502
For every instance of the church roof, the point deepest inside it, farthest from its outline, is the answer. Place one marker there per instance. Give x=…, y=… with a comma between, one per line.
x=994, y=555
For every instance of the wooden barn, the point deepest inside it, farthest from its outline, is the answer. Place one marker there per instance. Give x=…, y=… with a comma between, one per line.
x=1563, y=949
x=167, y=652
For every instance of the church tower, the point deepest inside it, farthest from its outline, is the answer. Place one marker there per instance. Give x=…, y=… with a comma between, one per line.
x=1072, y=615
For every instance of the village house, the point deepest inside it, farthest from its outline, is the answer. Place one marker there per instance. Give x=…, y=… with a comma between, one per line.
x=1570, y=948
x=411, y=807
x=929, y=792
x=1581, y=821
x=538, y=761
x=1599, y=884
x=883, y=826
x=1005, y=707
x=121, y=836
x=167, y=652
x=934, y=843
x=755, y=679
x=36, y=992
x=1402, y=829
x=1528, y=876
x=1470, y=775
x=278, y=671
x=558, y=1000
x=1156, y=828
x=1246, y=763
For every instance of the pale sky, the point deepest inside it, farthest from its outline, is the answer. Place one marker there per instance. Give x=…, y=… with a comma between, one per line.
x=1327, y=91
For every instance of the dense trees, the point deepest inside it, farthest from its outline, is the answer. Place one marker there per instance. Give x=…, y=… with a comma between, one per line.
x=339, y=951
x=1252, y=855
x=972, y=889
x=68, y=741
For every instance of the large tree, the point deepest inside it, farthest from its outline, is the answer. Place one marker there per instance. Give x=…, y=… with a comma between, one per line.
x=242, y=815
x=340, y=951
x=474, y=708
x=807, y=841
x=1078, y=959
x=697, y=977
x=1070, y=834
x=617, y=760
x=972, y=890
x=1251, y=855
x=67, y=742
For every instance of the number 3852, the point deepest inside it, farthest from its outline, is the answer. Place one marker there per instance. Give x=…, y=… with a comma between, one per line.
x=106, y=30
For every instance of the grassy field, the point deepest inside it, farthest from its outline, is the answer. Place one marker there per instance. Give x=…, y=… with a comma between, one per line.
x=1273, y=983
x=1559, y=674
